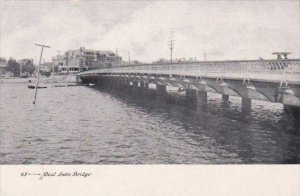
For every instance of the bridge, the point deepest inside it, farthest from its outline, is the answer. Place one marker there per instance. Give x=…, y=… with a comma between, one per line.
x=275, y=80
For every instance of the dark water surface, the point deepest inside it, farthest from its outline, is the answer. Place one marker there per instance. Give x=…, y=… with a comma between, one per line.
x=82, y=125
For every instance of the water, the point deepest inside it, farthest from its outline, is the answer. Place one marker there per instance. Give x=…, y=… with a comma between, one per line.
x=84, y=125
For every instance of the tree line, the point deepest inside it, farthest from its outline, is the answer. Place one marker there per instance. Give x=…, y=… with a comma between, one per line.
x=15, y=68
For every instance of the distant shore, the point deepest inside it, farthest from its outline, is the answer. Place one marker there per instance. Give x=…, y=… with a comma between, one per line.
x=15, y=80
x=57, y=79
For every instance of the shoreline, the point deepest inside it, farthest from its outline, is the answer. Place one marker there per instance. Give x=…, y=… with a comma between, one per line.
x=57, y=79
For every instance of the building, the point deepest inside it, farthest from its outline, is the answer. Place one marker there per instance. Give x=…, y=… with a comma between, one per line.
x=85, y=59
x=46, y=67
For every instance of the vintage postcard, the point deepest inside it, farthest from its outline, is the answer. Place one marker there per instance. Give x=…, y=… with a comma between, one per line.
x=103, y=97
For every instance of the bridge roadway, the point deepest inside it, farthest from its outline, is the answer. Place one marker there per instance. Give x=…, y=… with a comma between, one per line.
x=268, y=80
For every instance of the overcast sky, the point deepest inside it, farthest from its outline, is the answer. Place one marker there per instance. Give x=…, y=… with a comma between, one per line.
x=225, y=29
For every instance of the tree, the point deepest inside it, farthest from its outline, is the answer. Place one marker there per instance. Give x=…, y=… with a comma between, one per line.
x=47, y=74
x=13, y=66
x=28, y=67
x=135, y=62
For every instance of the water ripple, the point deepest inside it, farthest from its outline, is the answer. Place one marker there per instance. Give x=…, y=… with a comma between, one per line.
x=81, y=125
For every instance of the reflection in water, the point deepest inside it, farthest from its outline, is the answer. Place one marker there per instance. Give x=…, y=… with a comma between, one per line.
x=80, y=125
x=253, y=138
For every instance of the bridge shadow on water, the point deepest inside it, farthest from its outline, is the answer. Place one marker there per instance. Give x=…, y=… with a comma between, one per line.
x=266, y=136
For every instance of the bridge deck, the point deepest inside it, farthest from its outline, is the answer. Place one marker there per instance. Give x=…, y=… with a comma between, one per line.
x=267, y=80
x=284, y=70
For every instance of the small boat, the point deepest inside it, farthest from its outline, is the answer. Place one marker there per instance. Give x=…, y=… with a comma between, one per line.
x=33, y=86
x=24, y=76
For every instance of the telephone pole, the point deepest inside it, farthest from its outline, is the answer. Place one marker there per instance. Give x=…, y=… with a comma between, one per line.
x=171, y=45
x=38, y=76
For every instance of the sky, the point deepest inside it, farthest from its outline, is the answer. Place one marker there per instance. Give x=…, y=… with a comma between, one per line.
x=224, y=30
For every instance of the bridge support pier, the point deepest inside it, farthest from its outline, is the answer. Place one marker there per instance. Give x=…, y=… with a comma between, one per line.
x=196, y=99
x=135, y=84
x=292, y=110
x=142, y=84
x=246, y=105
x=118, y=84
x=111, y=84
x=146, y=85
x=141, y=89
x=201, y=100
x=225, y=98
x=126, y=83
x=161, y=92
x=98, y=82
x=292, y=116
x=123, y=85
x=144, y=88
x=191, y=97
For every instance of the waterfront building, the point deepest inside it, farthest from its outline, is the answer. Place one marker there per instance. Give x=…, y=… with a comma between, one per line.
x=59, y=60
x=83, y=59
x=46, y=67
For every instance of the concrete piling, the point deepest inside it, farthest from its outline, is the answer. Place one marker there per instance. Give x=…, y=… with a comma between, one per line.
x=161, y=92
x=246, y=105
x=225, y=98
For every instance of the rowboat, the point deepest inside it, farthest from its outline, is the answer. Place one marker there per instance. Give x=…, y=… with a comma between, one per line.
x=33, y=86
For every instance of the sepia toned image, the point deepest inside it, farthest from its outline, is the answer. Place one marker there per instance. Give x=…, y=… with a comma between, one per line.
x=149, y=82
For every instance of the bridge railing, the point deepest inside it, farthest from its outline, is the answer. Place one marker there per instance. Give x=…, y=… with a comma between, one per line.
x=270, y=70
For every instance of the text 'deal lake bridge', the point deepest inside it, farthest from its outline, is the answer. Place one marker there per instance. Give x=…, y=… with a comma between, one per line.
x=275, y=80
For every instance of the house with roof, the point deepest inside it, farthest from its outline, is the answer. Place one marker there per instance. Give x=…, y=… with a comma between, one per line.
x=83, y=59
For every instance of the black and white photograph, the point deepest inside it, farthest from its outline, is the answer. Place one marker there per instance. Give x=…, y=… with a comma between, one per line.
x=136, y=83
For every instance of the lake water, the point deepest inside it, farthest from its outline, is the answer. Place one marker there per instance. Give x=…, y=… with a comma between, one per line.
x=85, y=125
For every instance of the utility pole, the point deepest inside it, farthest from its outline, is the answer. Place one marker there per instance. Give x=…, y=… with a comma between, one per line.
x=128, y=58
x=171, y=44
x=38, y=76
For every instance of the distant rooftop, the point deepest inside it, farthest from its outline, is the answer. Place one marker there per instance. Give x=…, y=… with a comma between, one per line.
x=91, y=50
x=2, y=64
x=279, y=54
